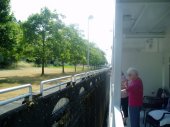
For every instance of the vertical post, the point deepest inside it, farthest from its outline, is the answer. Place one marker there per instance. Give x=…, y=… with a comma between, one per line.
x=115, y=87
x=30, y=91
x=117, y=55
x=88, y=37
x=41, y=88
x=43, y=52
x=88, y=48
x=169, y=70
x=115, y=92
x=163, y=71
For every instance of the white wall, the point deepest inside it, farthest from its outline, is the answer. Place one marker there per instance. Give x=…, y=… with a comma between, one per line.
x=149, y=66
x=165, y=50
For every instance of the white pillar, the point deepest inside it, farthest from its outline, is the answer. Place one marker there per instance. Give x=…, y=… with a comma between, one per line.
x=115, y=121
x=117, y=55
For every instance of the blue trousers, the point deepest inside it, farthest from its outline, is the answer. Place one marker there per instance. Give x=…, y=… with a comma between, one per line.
x=134, y=112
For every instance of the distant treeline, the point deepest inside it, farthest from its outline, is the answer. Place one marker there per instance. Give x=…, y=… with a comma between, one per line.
x=43, y=39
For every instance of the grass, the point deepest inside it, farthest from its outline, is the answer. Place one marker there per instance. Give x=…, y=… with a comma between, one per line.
x=26, y=73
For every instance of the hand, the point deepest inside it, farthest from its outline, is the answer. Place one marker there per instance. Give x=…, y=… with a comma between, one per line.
x=126, y=85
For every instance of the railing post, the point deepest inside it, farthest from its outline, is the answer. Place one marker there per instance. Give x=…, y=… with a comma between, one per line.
x=30, y=91
x=41, y=88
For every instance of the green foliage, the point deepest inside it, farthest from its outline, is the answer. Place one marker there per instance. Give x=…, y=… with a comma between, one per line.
x=10, y=36
x=78, y=47
x=5, y=11
x=43, y=39
x=64, y=45
x=97, y=57
x=39, y=30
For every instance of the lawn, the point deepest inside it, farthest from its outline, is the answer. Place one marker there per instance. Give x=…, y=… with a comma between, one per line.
x=26, y=73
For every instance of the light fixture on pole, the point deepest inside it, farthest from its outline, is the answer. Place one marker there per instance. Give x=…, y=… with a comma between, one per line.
x=88, y=36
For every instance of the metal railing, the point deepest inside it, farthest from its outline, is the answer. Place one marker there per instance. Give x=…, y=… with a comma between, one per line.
x=29, y=94
x=67, y=79
x=42, y=89
x=70, y=78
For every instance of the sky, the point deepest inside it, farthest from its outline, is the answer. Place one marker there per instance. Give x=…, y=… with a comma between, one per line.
x=76, y=12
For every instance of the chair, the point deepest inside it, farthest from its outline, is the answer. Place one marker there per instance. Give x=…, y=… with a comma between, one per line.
x=159, y=118
x=154, y=102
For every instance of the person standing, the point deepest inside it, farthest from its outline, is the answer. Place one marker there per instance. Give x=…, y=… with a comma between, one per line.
x=135, y=93
x=124, y=98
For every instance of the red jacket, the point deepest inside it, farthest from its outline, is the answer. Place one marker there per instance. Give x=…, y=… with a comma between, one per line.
x=135, y=92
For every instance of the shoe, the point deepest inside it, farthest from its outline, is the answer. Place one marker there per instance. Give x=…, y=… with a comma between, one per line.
x=125, y=124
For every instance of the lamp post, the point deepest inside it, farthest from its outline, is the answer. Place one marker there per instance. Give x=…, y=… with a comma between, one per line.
x=88, y=37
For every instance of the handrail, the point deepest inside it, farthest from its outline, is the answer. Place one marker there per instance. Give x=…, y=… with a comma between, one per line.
x=86, y=74
x=72, y=79
x=52, y=80
x=29, y=94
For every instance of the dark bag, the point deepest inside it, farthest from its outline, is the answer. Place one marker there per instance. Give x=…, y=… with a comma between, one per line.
x=168, y=105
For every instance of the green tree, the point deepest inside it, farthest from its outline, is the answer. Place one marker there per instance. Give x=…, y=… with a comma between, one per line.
x=38, y=31
x=97, y=56
x=77, y=46
x=5, y=15
x=64, y=46
x=10, y=36
x=84, y=53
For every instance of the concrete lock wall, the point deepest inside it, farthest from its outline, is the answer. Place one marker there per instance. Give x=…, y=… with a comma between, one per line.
x=83, y=103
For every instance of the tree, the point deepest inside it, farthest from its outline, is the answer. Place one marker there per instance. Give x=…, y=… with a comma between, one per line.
x=64, y=46
x=38, y=31
x=84, y=53
x=10, y=36
x=76, y=46
x=97, y=56
x=5, y=15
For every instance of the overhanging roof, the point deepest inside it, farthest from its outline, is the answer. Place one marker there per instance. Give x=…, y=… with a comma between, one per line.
x=137, y=1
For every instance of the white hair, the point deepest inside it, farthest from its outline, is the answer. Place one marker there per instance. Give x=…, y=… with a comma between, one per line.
x=132, y=71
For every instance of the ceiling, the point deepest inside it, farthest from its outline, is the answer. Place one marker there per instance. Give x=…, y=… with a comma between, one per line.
x=137, y=1
x=146, y=18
